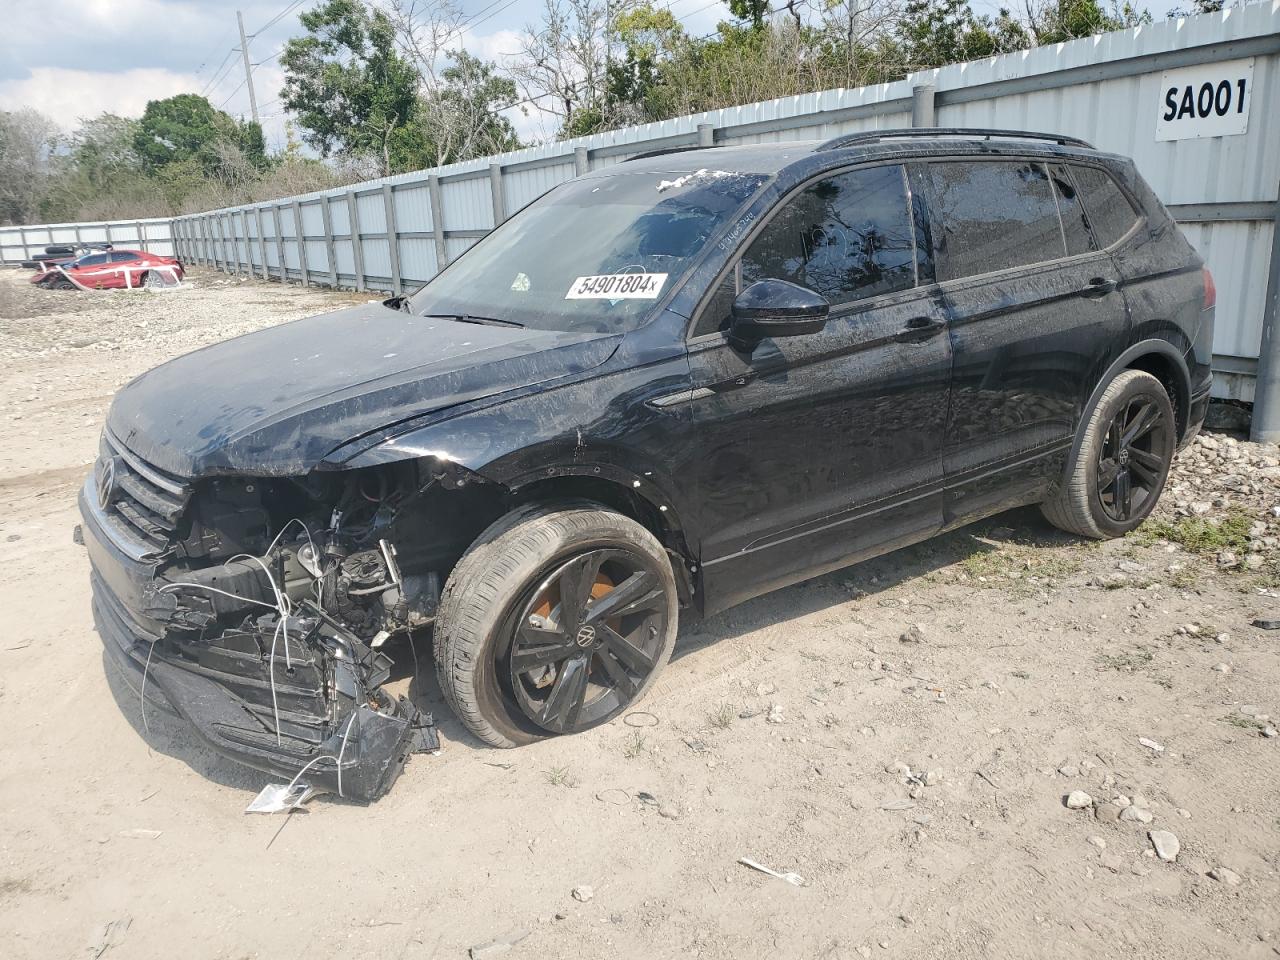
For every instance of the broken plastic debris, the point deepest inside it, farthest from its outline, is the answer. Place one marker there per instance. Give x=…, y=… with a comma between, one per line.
x=1151, y=745
x=703, y=174
x=275, y=797
x=497, y=945
x=792, y=878
x=110, y=934
x=140, y=833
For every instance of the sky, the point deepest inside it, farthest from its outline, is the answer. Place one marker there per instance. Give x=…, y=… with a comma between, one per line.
x=115, y=55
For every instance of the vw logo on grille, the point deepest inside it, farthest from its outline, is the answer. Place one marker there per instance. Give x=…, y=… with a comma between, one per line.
x=586, y=635
x=106, y=482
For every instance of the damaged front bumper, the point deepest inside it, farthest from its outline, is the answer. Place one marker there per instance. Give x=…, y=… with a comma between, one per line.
x=299, y=697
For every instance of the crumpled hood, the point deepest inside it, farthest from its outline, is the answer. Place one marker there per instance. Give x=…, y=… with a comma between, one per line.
x=274, y=402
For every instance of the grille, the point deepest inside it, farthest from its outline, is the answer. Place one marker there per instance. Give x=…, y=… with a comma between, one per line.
x=144, y=505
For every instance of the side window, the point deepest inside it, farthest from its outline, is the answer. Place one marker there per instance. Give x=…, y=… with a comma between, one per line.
x=92, y=260
x=848, y=237
x=995, y=214
x=1108, y=209
x=1075, y=225
x=122, y=256
x=716, y=314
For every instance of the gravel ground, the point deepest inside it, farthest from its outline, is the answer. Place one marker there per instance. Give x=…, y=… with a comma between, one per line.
x=1001, y=743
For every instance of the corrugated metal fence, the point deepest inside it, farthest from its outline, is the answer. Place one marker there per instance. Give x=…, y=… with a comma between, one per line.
x=20, y=243
x=393, y=234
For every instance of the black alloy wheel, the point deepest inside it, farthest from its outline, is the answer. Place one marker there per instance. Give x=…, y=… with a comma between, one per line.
x=1131, y=466
x=586, y=640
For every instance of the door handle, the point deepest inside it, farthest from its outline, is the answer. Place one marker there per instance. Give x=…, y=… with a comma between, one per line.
x=1098, y=287
x=919, y=329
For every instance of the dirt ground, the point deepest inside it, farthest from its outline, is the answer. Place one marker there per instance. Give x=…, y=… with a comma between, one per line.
x=1005, y=665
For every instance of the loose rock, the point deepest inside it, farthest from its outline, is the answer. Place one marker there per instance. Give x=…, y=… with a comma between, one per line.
x=1078, y=800
x=1166, y=845
x=583, y=894
x=1136, y=814
x=1223, y=875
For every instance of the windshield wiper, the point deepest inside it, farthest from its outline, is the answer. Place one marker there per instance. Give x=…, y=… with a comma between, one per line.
x=471, y=318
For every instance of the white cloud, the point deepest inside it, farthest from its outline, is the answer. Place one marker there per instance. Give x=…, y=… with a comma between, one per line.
x=69, y=95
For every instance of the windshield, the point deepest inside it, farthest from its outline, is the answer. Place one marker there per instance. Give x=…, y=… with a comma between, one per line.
x=591, y=255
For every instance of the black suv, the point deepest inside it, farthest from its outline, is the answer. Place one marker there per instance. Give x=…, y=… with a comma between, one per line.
x=660, y=389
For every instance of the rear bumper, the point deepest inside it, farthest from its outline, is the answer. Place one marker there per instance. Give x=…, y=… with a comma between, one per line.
x=319, y=709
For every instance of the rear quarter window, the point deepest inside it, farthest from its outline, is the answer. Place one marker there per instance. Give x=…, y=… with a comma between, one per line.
x=993, y=215
x=1075, y=224
x=1108, y=208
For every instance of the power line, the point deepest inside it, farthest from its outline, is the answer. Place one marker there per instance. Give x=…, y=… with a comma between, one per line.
x=278, y=17
x=231, y=94
x=221, y=73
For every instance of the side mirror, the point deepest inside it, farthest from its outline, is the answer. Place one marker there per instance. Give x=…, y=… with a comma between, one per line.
x=397, y=303
x=776, y=308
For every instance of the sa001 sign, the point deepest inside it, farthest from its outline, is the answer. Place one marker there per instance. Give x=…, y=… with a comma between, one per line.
x=1211, y=100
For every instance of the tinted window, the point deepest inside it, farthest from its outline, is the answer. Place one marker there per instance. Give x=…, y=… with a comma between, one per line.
x=122, y=256
x=994, y=215
x=1075, y=225
x=1108, y=209
x=848, y=237
x=92, y=260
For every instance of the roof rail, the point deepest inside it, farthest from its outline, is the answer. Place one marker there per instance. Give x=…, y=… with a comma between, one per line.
x=875, y=136
x=664, y=151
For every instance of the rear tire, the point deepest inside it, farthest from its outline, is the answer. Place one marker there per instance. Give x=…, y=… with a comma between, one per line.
x=510, y=603
x=1121, y=463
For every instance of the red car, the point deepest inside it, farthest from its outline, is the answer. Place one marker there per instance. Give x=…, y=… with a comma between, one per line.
x=112, y=270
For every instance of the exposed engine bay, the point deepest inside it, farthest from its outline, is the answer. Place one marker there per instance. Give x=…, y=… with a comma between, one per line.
x=260, y=608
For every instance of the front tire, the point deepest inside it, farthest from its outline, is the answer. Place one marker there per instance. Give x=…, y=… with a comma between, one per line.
x=1122, y=462
x=556, y=620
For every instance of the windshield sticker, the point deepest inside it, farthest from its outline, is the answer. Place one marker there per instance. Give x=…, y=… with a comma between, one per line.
x=617, y=286
x=521, y=283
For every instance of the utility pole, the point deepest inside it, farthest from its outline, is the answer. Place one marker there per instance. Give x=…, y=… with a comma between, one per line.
x=248, y=73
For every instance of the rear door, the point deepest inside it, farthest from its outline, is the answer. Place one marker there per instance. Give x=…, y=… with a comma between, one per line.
x=821, y=448
x=1033, y=308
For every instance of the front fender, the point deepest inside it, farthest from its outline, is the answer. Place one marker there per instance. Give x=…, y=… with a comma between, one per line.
x=603, y=428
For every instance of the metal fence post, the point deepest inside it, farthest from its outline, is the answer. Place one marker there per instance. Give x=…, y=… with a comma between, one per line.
x=326, y=217
x=248, y=248
x=262, y=244
x=393, y=237
x=284, y=264
x=357, y=242
x=142, y=235
x=437, y=222
x=302, y=244
x=497, y=193
x=1265, y=427
x=22, y=239
x=229, y=218
x=922, y=105
x=219, y=251
x=581, y=161
x=706, y=135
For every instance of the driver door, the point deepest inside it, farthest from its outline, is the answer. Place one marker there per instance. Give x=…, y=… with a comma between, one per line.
x=823, y=448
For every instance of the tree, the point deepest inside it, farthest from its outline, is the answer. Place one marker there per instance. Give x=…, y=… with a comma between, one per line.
x=753, y=12
x=349, y=87
x=562, y=64
x=463, y=119
x=187, y=127
x=649, y=38
x=27, y=141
